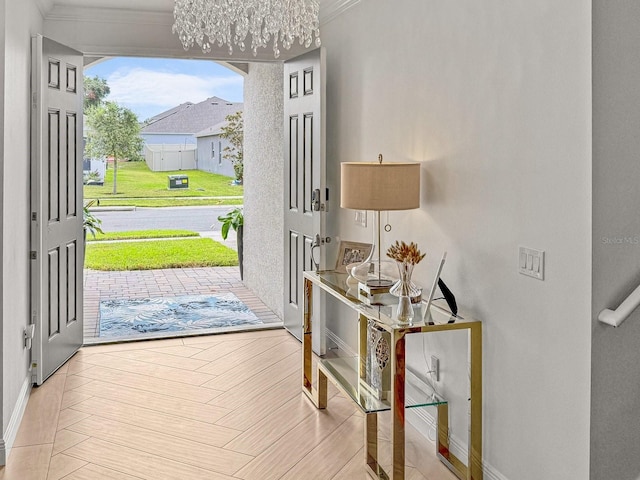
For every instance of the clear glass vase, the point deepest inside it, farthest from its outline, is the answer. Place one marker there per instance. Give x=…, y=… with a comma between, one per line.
x=406, y=291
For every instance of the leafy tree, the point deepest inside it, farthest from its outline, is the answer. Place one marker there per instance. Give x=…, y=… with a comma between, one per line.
x=113, y=131
x=95, y=90
x=234, y=132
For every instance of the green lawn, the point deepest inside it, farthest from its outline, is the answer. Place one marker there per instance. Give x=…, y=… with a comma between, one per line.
x=200, y=252
x=135, y=180
x=139, y=234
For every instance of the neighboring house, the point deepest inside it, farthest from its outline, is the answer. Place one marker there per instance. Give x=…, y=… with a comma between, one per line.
x=210, y=151
x=179, y=124
x=175, y=130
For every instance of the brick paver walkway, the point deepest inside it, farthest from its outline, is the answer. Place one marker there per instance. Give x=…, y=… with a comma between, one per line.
x=99, y=285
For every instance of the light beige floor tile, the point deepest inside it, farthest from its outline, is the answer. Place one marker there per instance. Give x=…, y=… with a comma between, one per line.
x=77, y=366
x=275, y=332
x=40, y=420
x=164, y=445
x=280, y=457
x=221, y=357
x=246, y=415
x=340, y=447
x=180, y=351
x=152, y=384
x=354, y=469
x=96, y=472
x=255, y=386
x=235, y=373
x=114, y=362
x=74, y=381
x=27, y=463
x=72, y=397
x=221, y=349
x=66, y=439
x=68, y=417
x=144, y=417
x=155, y=401
x=62, y=465
x=279, y=421
x=164, y=359
x=138, y=463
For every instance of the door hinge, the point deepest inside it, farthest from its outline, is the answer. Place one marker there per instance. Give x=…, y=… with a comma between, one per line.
x=34, y=255
x=34, y=216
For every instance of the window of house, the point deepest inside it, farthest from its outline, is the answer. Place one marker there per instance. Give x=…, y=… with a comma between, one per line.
x=219, y=153
x=213, y=150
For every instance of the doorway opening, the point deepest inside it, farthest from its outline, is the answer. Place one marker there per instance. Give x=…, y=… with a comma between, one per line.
x=183, y=106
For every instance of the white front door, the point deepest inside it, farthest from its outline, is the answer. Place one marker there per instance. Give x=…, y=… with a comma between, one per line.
x=57, y=246
x=305, y=195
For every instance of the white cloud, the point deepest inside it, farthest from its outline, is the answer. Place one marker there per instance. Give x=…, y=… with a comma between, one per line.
x=143, y=87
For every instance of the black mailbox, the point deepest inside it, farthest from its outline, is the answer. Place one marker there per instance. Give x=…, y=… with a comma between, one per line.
x=178, y=181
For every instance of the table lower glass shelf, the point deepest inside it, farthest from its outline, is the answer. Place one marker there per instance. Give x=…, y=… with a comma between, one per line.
x=344, y=373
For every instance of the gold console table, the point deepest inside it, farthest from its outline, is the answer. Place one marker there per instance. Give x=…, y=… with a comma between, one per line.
x=348, y=374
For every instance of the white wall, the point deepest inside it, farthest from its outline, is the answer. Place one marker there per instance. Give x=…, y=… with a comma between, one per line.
x=615, y=423
x=264, y=183
x=215, y=163
x=494, y=99
x=22, y=19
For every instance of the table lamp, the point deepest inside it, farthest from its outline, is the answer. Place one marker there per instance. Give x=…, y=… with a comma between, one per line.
x=378, y=186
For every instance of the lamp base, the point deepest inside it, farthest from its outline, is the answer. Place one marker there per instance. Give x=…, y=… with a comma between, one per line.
x=375, y=274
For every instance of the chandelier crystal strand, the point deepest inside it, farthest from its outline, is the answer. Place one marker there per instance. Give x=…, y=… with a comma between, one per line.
x=229, y=22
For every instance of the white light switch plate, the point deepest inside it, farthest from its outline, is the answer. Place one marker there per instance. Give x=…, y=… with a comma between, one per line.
x=360, y=217
x=531, y=262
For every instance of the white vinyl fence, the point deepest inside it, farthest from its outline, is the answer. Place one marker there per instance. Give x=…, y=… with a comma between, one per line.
x=164, y=158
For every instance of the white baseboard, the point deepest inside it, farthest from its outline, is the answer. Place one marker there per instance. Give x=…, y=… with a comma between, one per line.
x=6, y=443
x=421, y=418
x=333, y=338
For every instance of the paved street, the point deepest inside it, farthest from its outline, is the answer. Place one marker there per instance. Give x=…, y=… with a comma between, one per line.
x=198, y=219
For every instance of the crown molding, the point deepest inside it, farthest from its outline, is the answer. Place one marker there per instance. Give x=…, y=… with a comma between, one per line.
x=108, y=15
x=331, y=9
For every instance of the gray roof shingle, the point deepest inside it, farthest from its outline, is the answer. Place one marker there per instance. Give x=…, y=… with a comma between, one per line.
x=191, y=118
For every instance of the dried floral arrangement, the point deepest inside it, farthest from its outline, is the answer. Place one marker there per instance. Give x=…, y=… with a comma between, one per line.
x=402, y=252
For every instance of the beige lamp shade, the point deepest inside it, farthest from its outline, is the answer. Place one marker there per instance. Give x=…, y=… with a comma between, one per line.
x=380, y=186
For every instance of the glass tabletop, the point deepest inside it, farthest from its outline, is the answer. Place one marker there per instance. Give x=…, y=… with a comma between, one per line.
x=347, y=289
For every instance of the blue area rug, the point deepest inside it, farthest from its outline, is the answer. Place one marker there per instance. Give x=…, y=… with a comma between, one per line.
x=166, y=316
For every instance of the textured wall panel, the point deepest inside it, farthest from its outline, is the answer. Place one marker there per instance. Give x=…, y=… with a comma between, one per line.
x=264, y=183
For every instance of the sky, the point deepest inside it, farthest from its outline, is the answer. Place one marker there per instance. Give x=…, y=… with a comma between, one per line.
x=149, y=86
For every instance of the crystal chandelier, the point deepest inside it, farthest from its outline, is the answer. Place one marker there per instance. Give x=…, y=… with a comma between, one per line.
x=228, y=22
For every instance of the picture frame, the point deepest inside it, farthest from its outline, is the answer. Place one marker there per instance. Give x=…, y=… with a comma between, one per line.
x=351, y=252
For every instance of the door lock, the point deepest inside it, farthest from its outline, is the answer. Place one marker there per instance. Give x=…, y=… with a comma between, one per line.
x=316, y=202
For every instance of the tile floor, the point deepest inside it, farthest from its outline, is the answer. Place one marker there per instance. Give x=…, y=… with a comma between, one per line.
x=211, y=407
x=169, y=282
